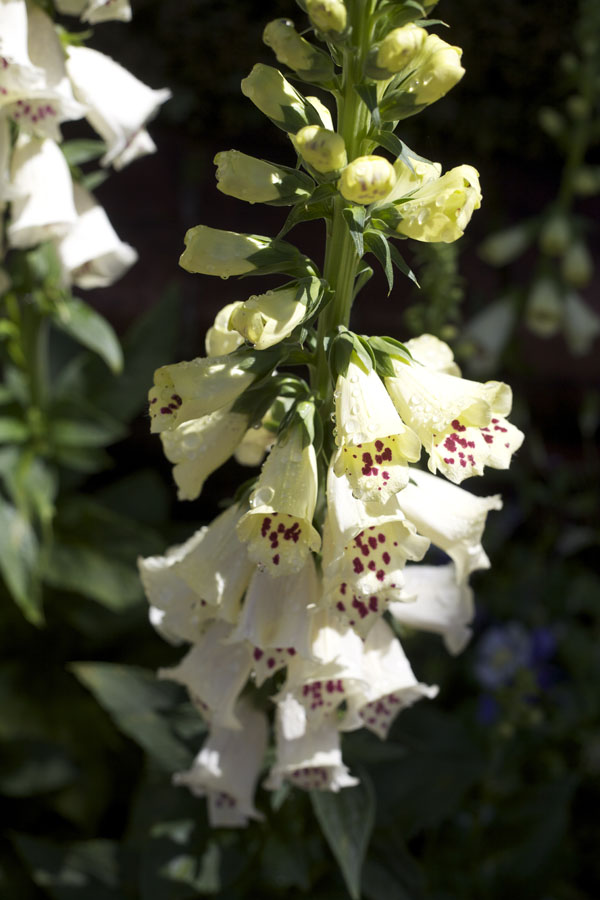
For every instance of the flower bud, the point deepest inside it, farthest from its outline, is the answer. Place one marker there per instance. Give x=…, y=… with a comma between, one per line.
x=586, y=180
x=576, y=266
x=220, y=339
x=257, y=181
x=277, y=99
x=267, y=319
x=327, y=15
x=400, y=46
x=432, y=73
x=544, y=310
x=367, y=179
x=324, y=150
x=555, y=235
x=582, y=325
x=295, y=52
x=210, y=251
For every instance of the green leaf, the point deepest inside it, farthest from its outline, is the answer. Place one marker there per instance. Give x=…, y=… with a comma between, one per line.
x=135, y=700
x=19, y=559
x=398, y=261
x=354, y=217
x=29, y=767
x=379, y=245
x=368, y=94
x=87, y=870
x=347, y=819
x=83, y=569
x=78, y=433
x=390, y=871
x=94, y=179
x=82, y=150
x=89, y=328
x=13, y=431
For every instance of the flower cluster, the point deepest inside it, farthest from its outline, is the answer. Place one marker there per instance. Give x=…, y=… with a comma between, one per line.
x=304, y=584
x=45, y=81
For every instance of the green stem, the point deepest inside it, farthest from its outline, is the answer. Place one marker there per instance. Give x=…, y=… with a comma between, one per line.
x=341, y=258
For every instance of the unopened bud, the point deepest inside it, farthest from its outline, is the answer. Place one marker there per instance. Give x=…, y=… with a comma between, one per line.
x=294, y=51
x=555, y=235
x=582, y=325
x=367, y=179
x=257, y=181
x=400, y=46
x=277, y=99
x=324, y=150
x=220, y=339
x=211, y=251
x=327, y=15
x=577, y=267
x=551, y=121
x=586, y=180
x=266, y=319
x=544, y=310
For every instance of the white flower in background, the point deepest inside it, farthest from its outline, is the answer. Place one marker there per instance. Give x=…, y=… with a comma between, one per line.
x=254, y=446
x=460, y=423
x=309, y=759
x=39, y=108
x=91, y=253
x=7, y=191
x=278, y=529
x=42, y=207
x=365, y=549
x=388, y=685
x=277, y=618
x=220, y=339
x=436, y=602
x=374, y=443
x=199, y=447
x=452, y=518
x=118, y=104
x=191, y=390
x=17, y=72
x=214, y=673
x=227, y=768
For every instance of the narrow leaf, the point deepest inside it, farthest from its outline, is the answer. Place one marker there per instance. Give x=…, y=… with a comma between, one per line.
x=399, y=262
x=347, y=819
x=83, y=569
x=368, y=94
x=355, y=220
x=91, y=329
x=379, y=245
x=19, y=556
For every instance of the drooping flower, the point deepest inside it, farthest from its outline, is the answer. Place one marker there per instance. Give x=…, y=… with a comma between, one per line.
x=118, y=104
x=214, y=673
x=430, y=351
x=460, y=423
x=367, y=179
x=375, y=445
x=254, y=446
x=294, y=51
x=266, y=319
x=434, y=600
x=220, y=339
x=278, y=528
x=428, y=74
x=226, y=769
x=389, y=684
x=91, y=253
x=17, y=72
x=257, y=181
x=274, y=96
x=399, y=47
x=327, y=15
x=310, y=759
x=452, y=518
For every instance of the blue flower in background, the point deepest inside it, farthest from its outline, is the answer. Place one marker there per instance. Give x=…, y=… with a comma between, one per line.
x=502, y=651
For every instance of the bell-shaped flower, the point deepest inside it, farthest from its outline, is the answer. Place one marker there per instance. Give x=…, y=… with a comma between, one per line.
x=433, y=353
x=367, y=179
x=40, y=107
x=452, y=518
x=427, y=75
x=278, y=528
x=365, y=549
x=214, y=673
x=266, y=319
x=273, y=94
x=254, y=446
x=91, y=253
x=277, y=618
x=294, y=51
x=118, y=104
x=460, y=423
x=211, y=251
x=220, y=339
x=190, y=390
x=320, y=148
x=388, y=684
x=374, y=444
x=199, y=447
x=310, y=759
x=435, y=601
x=18, y=74
x=257, y=181
x=226, y=769
x=42, y=207
x=328, y=16
x=216, y=566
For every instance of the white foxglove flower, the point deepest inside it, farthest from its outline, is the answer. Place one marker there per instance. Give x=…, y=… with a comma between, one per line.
x=227, y=768
x=118, y=104
x=6, y=189
x=17, y=72
x=389, y=683
x=43, y=207
x=438, y=603
x=91, y=253
x=277, y=618
x=95, y=11
x=460, y=423
x=278, y=529
x=374, y=444
x=452, y=518
x=365, y=549
x=430, y=351
x=254, y=446
x=189, y=390
x=39, y=108
x=199, y=447
x=214, y=673
x=312, y=760
x=220, y=339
